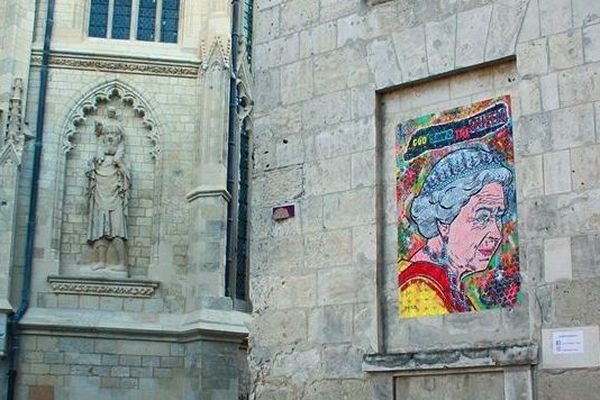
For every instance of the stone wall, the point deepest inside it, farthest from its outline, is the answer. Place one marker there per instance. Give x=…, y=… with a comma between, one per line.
x=165, y=330
x=332, y=81
x=173, y=106
x=79, y=367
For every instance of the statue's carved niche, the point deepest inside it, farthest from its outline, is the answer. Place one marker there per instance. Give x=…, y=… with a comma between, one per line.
x=109, y=224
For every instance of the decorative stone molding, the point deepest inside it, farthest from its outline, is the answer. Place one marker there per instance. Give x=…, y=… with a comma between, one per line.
x=102, y=287
x=104, y=93
x=9, y=155
x=208, y=191
x=200, y=324
x=215, y=54
x=493, y=356
x=244, y=88
x=17, y=131
x=113, y=64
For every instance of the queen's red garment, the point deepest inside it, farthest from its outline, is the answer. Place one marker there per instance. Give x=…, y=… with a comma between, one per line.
x=425, y=290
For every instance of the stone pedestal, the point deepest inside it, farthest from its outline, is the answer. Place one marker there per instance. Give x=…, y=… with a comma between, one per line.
x=501, y=371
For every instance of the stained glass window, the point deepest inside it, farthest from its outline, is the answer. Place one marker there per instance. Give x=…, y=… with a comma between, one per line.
x=146, y=20
x=118, y=14
x=121, y=19
x=170, y=21
x=242, y=231
x=98, y=18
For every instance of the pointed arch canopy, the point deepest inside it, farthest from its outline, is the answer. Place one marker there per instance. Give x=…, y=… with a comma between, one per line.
x=103, y=93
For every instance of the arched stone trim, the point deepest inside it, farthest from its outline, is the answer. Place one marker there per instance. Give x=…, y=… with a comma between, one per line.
x=103, y=93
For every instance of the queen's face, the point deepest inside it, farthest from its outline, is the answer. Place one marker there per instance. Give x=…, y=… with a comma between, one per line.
x=475, y=234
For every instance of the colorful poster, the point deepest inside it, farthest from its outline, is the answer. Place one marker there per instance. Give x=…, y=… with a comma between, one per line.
x=458, y=249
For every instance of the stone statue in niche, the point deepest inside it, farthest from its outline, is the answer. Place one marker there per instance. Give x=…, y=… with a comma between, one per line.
x=109, y=185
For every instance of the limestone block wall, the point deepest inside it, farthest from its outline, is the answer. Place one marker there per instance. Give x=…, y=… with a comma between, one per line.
x=332, y=81
x=15, y=42
x=167, y=329
x=72, y=368
x=173, y=104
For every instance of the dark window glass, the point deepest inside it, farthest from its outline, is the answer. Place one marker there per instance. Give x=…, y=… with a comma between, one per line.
x=170, y=21
x=242, y=231
x=146, y=20
x=98, y=18
x=121, y=19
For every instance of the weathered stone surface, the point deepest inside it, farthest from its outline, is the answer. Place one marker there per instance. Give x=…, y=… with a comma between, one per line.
x=470, y=83
x=555, y=16
x=530, y=177
x=339, y=208
x=332, y=9
x=299, y=367
x=441, y=44
x=557, y=259
x=572, y=127
x=578, y=384
x=505, y=24
x=318, y=39
x=342, y=361
x=411, y=51
x=327, y=111
x=568, y=310
x=381, y=58
x=471, y=34
x=503, y=354
x=271, y=96
x=533, y=134
x=299, y=14
x=296, y=82
x=585, y=256
x=268, y=26
x=585, y=167
x=549, y=88
x=328, y=248
x=579, y=85
x=329, y=78
x=351, y=389
x=334, y=140
x=591, y=43
x=530, y=29
x=294, y=291
x=291, y=327
x=530, y=92
x=438, y=387
x=566, y=49
x=269, y=191
x=331, y=324
x=282, y=50
x=532, y=57
x=557, y=172
x=336, y=168
x=585, y=12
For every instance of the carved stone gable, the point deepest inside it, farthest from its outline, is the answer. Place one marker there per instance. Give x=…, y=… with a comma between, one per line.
x=215, y=55
x=16, y=130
